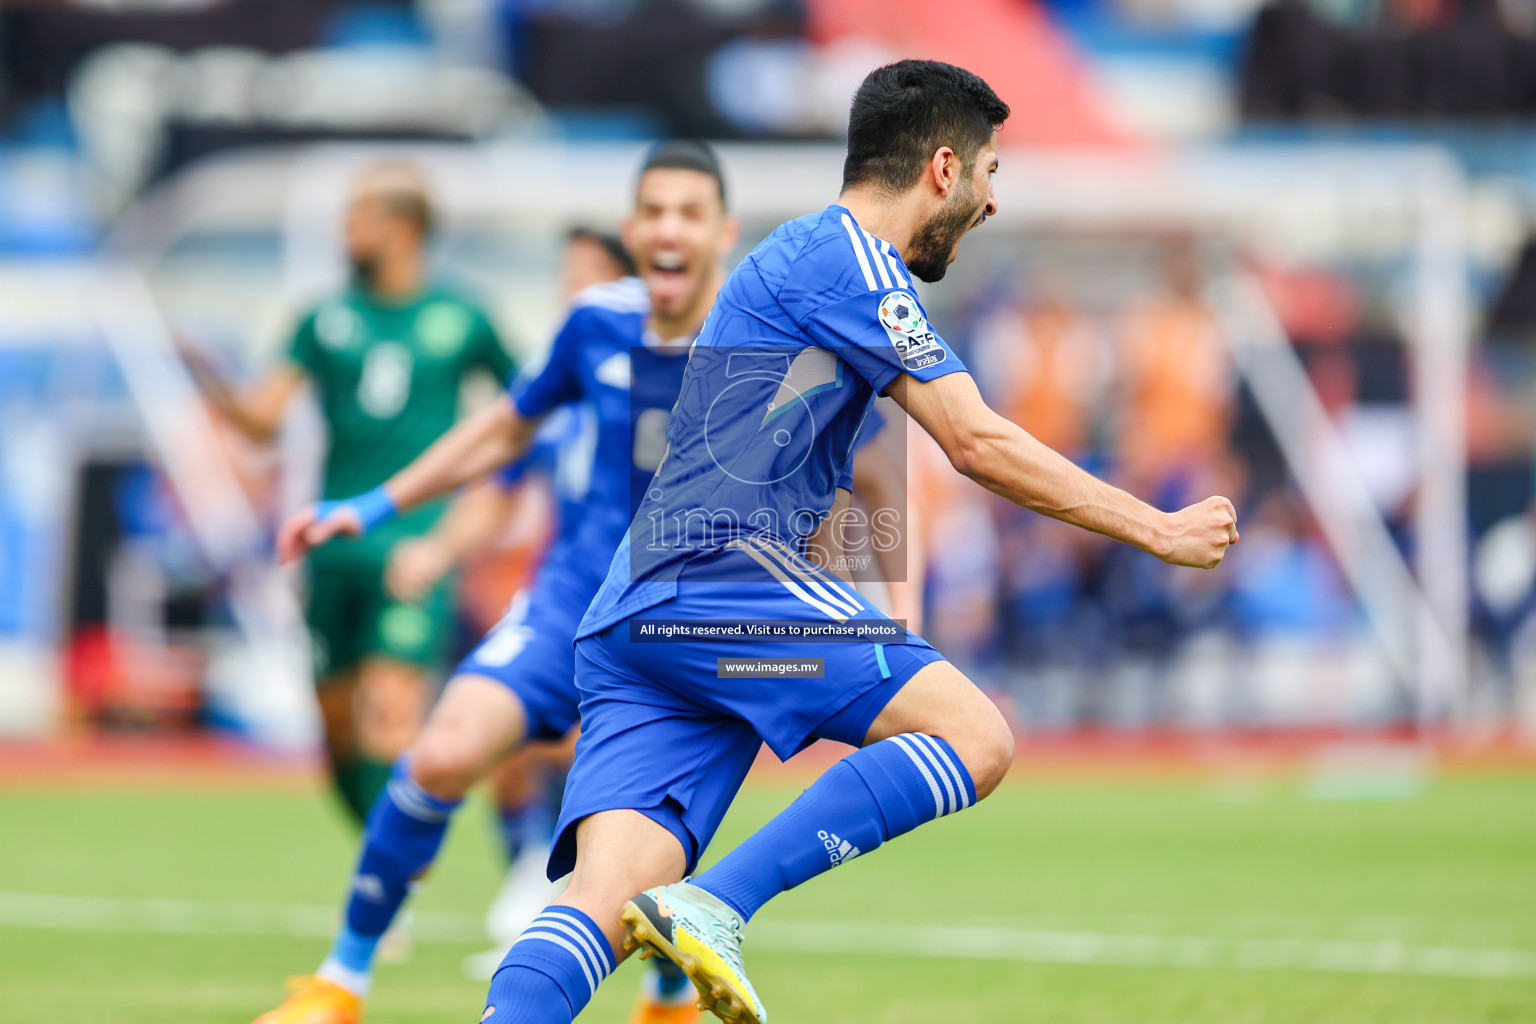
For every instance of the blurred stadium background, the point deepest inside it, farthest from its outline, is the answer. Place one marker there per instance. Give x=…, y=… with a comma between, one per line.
x=1284, y=251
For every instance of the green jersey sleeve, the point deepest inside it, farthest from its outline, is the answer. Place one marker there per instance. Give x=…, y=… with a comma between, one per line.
x=304, y=348
x=489, y=352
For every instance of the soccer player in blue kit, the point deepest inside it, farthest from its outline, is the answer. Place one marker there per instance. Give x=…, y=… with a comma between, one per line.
x=815, y=322
x=622, y=352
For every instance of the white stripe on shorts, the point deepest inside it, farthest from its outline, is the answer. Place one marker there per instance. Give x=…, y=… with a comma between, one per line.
x=828, y=610
x=808, y=574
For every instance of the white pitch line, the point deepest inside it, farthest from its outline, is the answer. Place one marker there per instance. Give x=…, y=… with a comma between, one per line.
x=1143, y=950
x=188, y=917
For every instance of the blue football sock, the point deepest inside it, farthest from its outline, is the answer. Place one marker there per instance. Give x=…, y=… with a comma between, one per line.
x=404, y=832
x=874, y=794
x=551, y=971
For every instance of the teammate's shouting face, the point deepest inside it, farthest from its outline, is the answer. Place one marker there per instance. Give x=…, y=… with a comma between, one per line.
x=677, y=235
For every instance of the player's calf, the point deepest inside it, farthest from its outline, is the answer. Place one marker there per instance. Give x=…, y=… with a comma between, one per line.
x=552, y=970
x=444, y=766
x=401, y=840
x=875, y=794
x=936, y=747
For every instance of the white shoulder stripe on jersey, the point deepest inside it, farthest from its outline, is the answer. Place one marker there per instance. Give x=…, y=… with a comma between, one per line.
x=885, y=248
x=858, y=250
x=874, y=251
x=626, y=295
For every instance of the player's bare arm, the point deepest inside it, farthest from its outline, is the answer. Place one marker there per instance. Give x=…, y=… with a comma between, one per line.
x=1005, y=459
x=490, y=438
x=470, y=526
x=257, y=411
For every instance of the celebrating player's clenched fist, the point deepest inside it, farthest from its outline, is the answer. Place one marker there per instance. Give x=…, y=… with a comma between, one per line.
x=1200, y=534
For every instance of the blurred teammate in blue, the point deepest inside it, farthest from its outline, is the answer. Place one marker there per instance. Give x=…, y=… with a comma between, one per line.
x=526, y=784
x=821, y=317
x=622, y=351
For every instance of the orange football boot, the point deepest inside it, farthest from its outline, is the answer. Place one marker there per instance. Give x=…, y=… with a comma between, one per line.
x=313, y=1000
x=650, y=1011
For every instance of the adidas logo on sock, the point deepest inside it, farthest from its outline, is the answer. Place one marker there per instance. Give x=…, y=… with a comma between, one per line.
x=370, y=887
x=838, y=849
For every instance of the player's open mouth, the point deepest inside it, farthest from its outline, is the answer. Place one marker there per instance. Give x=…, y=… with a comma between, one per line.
x=669, y=265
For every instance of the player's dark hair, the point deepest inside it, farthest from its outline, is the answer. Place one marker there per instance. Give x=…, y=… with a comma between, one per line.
x=610, y=244
x=903, y=112
x=686, y=155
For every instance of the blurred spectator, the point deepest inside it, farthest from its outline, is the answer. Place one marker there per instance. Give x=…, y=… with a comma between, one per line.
x=1414, y=58
x=1289, y=584
x=1176, y=379
x=1045, y=368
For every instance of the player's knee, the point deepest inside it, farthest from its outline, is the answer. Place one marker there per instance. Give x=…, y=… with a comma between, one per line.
x=987, y=750
x=443, y=767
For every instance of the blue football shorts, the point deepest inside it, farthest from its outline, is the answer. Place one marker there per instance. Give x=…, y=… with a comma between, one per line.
x=529, y=651
x=665, y=735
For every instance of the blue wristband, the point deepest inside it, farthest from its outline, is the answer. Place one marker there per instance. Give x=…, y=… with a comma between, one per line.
x=372, y=508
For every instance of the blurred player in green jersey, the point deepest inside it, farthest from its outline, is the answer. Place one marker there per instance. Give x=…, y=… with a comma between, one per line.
x=386, y=358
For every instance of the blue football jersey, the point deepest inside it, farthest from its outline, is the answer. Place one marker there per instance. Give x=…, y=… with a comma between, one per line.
x=814, y=323
x=562, y=452
x=603, y=361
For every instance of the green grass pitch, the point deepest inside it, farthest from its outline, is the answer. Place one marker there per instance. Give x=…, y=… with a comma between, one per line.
x=1072, y=902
